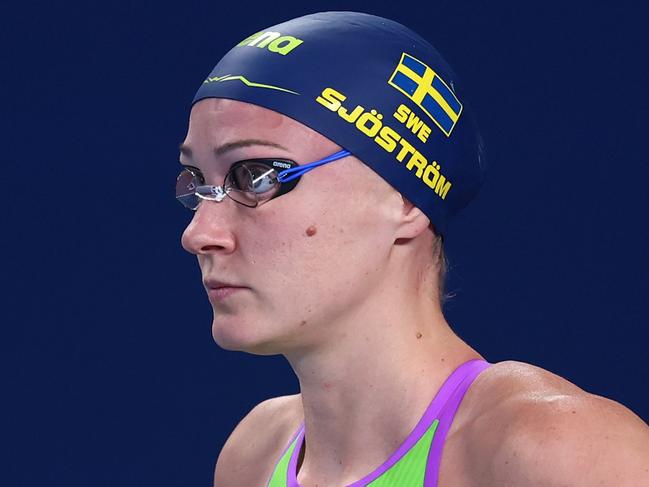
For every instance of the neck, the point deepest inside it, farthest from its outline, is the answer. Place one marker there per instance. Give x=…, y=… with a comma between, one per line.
x=364, y=390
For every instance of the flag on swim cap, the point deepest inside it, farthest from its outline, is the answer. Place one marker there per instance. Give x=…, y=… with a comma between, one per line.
x=374, y=87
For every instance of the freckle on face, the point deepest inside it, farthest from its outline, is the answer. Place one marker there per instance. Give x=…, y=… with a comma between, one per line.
x=311, y=231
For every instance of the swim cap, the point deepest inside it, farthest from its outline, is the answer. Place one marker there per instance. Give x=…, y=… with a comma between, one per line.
x=372, y=86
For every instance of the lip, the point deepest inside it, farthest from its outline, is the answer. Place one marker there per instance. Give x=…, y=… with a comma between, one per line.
x=220, y=290
x=216, y=284
x=222, y=293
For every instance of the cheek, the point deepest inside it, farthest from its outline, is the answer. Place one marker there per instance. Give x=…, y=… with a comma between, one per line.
x=318, y=255
x=306, y=269
x=337, y=255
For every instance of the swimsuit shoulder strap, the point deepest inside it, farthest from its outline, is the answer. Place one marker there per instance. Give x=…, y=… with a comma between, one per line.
x=450, y=396
x=280, y=476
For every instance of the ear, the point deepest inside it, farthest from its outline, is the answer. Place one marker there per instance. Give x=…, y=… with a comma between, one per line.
x=413, y=222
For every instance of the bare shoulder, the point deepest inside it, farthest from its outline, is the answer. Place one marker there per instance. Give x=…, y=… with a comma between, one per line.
x=250, y=453
x=527, y=426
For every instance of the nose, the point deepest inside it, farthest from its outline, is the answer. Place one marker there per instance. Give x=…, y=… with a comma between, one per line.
x=209, y=230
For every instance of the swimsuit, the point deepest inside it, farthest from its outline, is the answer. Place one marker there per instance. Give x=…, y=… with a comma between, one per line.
x=416, y=462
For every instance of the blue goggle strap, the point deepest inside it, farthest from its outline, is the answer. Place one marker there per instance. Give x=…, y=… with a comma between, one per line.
x=295, y=172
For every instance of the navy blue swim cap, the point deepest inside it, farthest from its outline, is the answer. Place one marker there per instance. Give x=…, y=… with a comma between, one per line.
x=372, y=86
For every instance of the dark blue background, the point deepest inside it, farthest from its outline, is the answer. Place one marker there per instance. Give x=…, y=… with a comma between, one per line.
x=110, y=374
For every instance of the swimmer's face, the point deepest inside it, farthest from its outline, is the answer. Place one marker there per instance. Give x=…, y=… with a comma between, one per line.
x=307, y=257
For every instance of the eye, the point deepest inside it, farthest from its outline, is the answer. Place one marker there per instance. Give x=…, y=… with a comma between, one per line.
x=186, y=184
x=188, y=179
x=253, y=177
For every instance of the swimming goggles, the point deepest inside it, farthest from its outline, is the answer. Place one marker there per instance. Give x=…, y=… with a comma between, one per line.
x=251, y=182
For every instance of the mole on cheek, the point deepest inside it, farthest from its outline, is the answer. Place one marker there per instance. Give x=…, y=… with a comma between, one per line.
x=311, y=231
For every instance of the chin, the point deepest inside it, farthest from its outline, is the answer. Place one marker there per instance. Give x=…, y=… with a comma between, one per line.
x=243, y=339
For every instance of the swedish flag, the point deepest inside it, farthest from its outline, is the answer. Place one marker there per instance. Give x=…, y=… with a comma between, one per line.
x=423, y=86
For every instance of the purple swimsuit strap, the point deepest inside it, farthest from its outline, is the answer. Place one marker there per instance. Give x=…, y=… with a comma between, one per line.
x=450, y=398
x=291, y=473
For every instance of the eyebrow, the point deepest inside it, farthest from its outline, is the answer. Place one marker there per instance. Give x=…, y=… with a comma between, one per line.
x=230, y=146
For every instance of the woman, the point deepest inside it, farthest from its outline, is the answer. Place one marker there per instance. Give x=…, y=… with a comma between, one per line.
x=341, y=270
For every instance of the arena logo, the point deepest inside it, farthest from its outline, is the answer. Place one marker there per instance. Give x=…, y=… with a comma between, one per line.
x=285, y=165
x=273, y=41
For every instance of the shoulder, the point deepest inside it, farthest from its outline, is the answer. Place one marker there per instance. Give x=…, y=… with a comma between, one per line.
x=254, y=446
x=527, y=426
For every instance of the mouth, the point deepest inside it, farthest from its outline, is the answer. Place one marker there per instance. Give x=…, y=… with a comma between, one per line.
x=220, y=290
x=222, y=293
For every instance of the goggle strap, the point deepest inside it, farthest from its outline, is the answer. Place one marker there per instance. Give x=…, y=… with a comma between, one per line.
x=295, y=172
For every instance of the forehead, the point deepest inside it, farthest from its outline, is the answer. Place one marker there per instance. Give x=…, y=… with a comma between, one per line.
x=221, y=121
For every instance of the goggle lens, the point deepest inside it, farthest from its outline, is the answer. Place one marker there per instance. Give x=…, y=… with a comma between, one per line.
x=248, y=183
x=251, y=183
x=186, y=184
